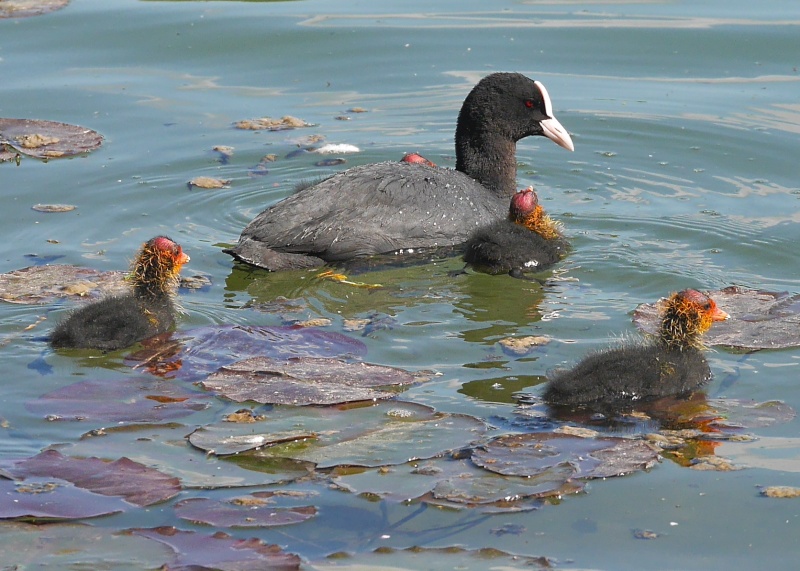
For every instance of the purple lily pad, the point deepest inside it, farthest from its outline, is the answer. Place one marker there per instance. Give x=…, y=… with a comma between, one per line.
x=219, y=551
x=758, y=319
x=126, y=400
x=305, y=381
x=47, y=139
x=53, y=499
x=130, y=480
x=25, y=8
x=45, y=284
x=249, y=511
x=529, y=455
x=199, y=352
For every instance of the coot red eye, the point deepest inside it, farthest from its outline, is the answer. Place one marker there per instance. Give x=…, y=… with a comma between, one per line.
x=528, y=103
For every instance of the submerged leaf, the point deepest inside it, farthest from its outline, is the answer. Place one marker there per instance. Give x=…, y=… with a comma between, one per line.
x=243, y=512
x=132, y=481
x=304, y=381
x=121, y=400
x=219, y=551
x=758, y=319
x=47, y=139
x=529, y=455
x=194, y=354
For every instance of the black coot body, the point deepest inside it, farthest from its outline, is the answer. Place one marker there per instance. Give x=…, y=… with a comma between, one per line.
x=391, y=206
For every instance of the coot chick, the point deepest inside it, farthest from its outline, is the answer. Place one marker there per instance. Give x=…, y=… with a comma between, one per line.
x=670, y=365
x=527, y=240
x=391, y=206
x=120, y=321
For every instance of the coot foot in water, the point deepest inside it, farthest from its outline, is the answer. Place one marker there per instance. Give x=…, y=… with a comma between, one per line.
x=670, y=365
x=527, y=240
x=120, y=321
x=386, y=207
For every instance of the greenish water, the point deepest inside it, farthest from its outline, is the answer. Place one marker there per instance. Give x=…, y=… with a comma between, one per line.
x=685, y=120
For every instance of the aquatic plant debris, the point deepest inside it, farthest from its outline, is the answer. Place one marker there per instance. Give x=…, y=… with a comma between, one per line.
x=47, y=139
x=27, y=8
x=194, y=354
x=208, y=182
x=758, y=319
x=132, y=481
x=45, y=284
x=368, y=435
x=305, y=381
x=218, y=551
x=528, y=455
x=248, y=511
x=268, y=123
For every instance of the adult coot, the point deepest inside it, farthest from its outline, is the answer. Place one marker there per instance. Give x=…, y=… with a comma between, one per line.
x=528, y=240
x=120, y=321
x=391, y=206
x=670, y=365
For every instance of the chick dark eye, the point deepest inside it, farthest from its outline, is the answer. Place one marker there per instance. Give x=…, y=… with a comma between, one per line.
x=528, y=103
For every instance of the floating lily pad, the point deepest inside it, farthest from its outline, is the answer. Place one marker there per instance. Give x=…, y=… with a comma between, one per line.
x=25, y=8
x=249, y=511
x=305, y=381
x=121, y=400
x=45, y=284
x=431, y=559
x=375, y=435
x=208, y=182
x=164, y=447
x=77, y=546
x=52, y=498
x=219, y=551
x=529, y=455
x=758, y=319
x=199, y=352
x=457, y=483
x=130, y=480
x=47, y=139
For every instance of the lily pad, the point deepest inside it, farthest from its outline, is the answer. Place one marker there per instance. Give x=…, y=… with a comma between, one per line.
x=431, y=559
x=759, y=319
x=50, y=208
x=268, y=123
x=47, y=139
x=77, y=546
x=164, y=447
x=25, y=8
x=130, y=480
x=249, y=511
x=219, y=551
x=529, y=455
x=52, y=498
x=125, y=400
x=457, y=483
x=195, y=354
x=45, y=284
x=376, y=435
x=305, y=381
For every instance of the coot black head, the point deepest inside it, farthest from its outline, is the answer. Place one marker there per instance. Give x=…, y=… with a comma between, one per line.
x=386, y=207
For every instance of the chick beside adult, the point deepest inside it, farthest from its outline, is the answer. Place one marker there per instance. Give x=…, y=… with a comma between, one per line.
x=527, y=240
x=120, y=321
x=671, y=364
x=391, y=206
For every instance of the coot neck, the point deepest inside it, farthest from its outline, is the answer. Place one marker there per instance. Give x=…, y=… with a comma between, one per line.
x=489, y=159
